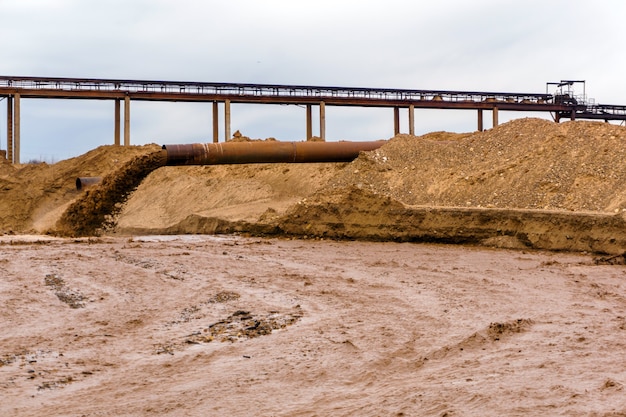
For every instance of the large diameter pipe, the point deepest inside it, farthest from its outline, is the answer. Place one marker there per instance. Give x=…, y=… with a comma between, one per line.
x=266, y=152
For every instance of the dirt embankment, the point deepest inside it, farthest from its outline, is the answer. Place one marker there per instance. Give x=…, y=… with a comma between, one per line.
x=97, y=209
x=34, y=196
x=527, y=183
x=526, y=163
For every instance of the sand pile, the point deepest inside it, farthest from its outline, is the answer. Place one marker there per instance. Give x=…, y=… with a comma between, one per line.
x=527, y=163
x=96, y=210
x=239, y=137
x=220, y=198
x=33, y=196
x=450, y=187
x=5, y=167
x=529, y=183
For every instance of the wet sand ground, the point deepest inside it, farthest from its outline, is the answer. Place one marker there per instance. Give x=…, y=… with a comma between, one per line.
x=205, y=325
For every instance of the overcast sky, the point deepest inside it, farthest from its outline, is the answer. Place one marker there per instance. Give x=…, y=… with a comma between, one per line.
x=477, y=45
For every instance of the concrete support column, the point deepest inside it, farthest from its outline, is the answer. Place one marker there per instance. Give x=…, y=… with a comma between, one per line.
x=116, y=128
x=16, y=129
x=396, y=120
x=10, y=129
x=412, y=120
x=323, y=121
x=127, y=121
x=495, y=116
x=227, y=120
x=309, y=122
x=573, y=115
x=480, y=120
x=216, y=128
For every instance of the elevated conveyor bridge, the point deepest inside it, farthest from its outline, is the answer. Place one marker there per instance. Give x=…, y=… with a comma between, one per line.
x=562, y=103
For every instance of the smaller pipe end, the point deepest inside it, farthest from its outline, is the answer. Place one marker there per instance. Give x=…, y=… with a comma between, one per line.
x=84, y=182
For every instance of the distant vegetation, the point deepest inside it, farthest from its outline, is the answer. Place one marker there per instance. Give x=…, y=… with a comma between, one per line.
x=40, y=160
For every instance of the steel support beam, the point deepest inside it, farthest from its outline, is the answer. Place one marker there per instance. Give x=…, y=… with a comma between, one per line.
x=16, y=128
x=216, y=128
x=480, y=120
x=309, y=122
x=227, y=135
x=10, y=129
x=116, y=128
x=495, y=116
x=411, y=120
x=127, y=121
x=323, y=121
x=396, y=120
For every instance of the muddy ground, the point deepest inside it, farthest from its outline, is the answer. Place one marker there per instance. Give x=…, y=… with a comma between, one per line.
x=201, y=325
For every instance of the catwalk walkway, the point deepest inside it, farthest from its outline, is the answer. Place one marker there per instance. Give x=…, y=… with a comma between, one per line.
x=562, y=103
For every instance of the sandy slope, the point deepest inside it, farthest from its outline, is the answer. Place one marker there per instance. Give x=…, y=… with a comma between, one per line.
x=231, y=192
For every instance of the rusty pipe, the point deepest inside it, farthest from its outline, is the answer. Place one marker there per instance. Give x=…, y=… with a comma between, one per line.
x=266, y=152
x=85, y=182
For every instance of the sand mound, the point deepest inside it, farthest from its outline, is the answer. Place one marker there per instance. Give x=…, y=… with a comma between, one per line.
x=502, y=186
x=527, y=163
x=176, y=199
x=96, y=209
x=35, y=195
x=5, y=167
x=527, y=184
x=239, y=137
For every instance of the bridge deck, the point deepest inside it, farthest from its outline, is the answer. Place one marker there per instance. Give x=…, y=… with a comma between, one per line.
x=37, y=87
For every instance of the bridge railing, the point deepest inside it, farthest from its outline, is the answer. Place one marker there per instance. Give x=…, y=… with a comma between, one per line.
x=606, y=109
x=266, y=90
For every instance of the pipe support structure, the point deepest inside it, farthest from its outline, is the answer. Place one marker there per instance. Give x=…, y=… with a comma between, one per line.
x=127, y=121
x=10, y=129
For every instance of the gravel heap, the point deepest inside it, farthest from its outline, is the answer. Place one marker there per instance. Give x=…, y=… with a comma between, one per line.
x=526, y=163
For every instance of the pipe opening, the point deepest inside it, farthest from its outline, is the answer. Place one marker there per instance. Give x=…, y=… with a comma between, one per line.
x=86, y=182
